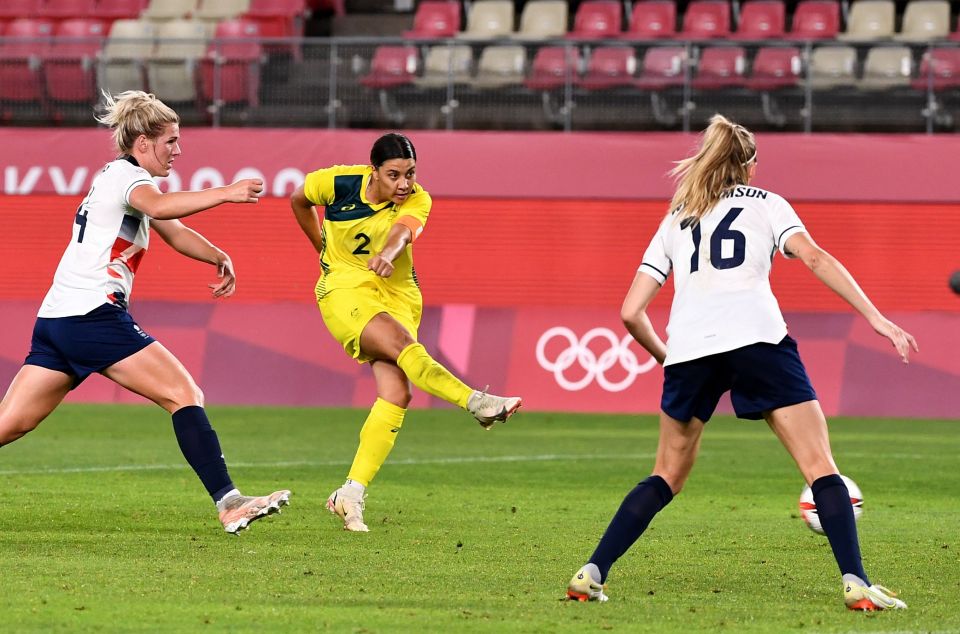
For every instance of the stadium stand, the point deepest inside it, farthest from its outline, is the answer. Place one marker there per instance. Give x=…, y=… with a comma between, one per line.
x=162, y=10
x=120, y=9
x=392, y=66
x=833, y=66
x=706, y=19
x=21, y=61
x=869, y=20
x=70, y=63
x=925, y=21
x=597, y=19
x=230, y=69
x=489, y=20
x=67, y=9
x=553, y=67
x=761, y=20
x=815, y=20
x=776, y=67
x=123, y=62
x=542, y=20
x=446, y=64
x=663, y=67
x=217, y=10
x=500, y=66
x=939, y=70
x=721, y=67
x=652, y=19
x=886, y=67
x=610, y=67
x=435, y=20
x=171, y=70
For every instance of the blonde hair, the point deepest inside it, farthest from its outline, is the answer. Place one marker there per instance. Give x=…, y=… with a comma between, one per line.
x=723, y=162
x=133, y=113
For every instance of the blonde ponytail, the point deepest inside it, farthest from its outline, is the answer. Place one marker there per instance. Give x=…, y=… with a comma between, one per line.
x=133, y=113
x=723, y=162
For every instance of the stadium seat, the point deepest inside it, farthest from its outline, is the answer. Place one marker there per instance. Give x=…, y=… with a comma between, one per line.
x=706, y=19
x=609, y=67
x=444, y=64
x=597, y=19
x=67, y=9
x=217, y=10
x=833, y=67
x=776, y=67
x=761, y=20
x=237, y=56
x=939, y=70
x=435, y=19
x=652, y=19
x=70, y=64
x=815, y=20
x=120, y=9
x=162, y=10
x=172, y=68
x=500, y=66
x=391, y=66
x=15, y=9
x=924, y=21
x=123, y=62
x=721, y=67
x=543, y=20
x=869, y=20
x=663, y=67
x=21, y=59
x=553, y=67
x=489, y=20
x=887, y=67
x=279, y=19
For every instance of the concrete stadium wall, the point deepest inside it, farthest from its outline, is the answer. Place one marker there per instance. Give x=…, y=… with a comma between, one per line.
x=516, y=280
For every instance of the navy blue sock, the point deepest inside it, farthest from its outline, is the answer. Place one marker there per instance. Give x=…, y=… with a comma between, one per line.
x=201, y=448
x=637, y=509
x=836, y=516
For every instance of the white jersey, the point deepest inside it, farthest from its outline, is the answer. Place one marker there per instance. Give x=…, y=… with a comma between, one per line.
x=109, y=239
x=721, y=266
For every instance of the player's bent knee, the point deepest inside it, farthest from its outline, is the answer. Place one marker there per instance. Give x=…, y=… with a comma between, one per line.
x=12, y=428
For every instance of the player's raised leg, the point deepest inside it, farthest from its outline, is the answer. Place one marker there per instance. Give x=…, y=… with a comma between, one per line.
x=802, y=428
x=34, y=392
x=155, y=373
x=676, y=452
x=377, y=437
x=385, y=338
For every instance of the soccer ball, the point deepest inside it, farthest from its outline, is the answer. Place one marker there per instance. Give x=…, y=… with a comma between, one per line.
x=808, y=510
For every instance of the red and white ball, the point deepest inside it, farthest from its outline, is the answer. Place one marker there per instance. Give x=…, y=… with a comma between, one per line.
x=808, y=510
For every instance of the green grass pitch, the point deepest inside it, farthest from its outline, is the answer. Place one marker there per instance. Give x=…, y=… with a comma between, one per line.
x=104, y=528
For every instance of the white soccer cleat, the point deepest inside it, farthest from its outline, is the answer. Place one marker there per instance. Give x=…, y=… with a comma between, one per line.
x=489, y=409
x=347, y=503
x=583, y=587
x=859, y=596
x=238, y=511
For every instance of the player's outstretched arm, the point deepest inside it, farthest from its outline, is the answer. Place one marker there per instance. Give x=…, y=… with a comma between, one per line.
x=635, y=318
x=171, y=205
x=307, y=218
x=188, y=242
x=831, y=272
x=397, y=240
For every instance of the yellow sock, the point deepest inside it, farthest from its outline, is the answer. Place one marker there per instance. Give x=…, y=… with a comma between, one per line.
x=377, y=436
x=431, y=377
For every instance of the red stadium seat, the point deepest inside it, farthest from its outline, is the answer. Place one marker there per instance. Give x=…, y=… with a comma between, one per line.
x=70, y=67
x=652, y=19
x=706, y=19
x=721, y=67
x=762, y=20
x=776, y=67
x=597, y=19
x=609, y=67
x=944, y=66
x=815, y=20
x=553, y=67
x=14, y=9
x=120, y=9
x=435, y=19
x=276, y=19
x=67, y=9
x=662, y=68
x=235, y=53
x=392, y=66
x=21, y=60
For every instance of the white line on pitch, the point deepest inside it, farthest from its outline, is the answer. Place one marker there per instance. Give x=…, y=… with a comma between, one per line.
x=334, y=463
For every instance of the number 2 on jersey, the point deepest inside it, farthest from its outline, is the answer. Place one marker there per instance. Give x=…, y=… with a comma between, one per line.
x=723, y=232
x=364, y=240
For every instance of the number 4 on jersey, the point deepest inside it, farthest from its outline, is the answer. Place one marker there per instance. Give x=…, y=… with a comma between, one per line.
x=722, y=232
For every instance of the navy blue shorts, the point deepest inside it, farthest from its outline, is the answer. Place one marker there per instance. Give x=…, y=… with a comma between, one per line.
x=82, y=345
x=760, y=377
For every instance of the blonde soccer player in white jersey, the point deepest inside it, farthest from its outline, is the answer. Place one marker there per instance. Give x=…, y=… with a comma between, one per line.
x=726, y=332
x=83, y=325
x=370, y=299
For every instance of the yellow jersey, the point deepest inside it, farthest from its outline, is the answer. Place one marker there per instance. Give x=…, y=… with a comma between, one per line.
x=354, y=230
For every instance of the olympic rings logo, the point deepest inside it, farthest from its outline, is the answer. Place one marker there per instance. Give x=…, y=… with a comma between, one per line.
x=578, y=352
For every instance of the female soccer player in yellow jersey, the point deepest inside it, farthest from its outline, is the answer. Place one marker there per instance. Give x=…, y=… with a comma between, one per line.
x=370, y=299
